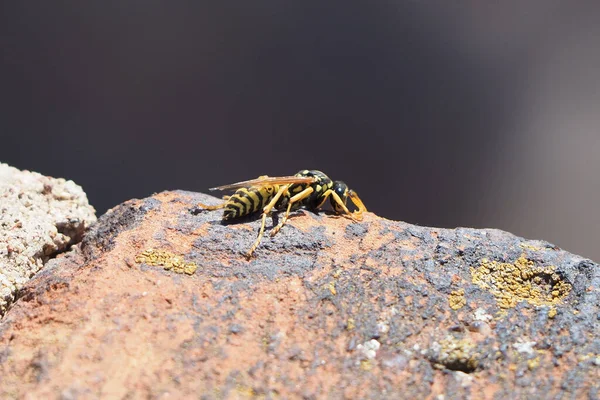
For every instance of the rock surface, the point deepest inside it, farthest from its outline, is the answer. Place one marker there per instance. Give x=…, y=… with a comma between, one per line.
x=159, y=301
x=39, y=218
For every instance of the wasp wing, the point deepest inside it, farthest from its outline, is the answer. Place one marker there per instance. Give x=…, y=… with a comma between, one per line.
x=268, y=180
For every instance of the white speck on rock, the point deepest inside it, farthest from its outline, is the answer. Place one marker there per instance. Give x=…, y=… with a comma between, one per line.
x=482, y=315
x=383, y=327
x=525, y=347
x=369, y=349
x=465, y=380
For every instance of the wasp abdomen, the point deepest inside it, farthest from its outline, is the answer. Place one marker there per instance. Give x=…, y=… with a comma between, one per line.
x=246, y=201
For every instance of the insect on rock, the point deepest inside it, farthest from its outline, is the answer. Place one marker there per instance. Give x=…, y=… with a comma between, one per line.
x=308, y=188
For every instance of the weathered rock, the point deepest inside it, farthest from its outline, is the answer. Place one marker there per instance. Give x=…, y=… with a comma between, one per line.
x=328, y=308
x=39, y=218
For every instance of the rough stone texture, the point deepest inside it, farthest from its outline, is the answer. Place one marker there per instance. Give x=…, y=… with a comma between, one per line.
x=39, y=218
x=328, y=308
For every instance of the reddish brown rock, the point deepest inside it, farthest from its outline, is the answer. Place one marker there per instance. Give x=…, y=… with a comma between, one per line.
x=328, y=308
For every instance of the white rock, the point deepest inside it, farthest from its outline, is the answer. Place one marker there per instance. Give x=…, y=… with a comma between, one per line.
x=369, y=348
x=39, y=217
x=525, y=347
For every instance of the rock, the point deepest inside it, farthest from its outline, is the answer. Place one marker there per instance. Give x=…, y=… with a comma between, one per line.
x=159, y=300
x=39, y=218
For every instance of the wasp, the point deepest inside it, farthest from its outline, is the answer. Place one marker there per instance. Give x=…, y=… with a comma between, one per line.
x=308, y=188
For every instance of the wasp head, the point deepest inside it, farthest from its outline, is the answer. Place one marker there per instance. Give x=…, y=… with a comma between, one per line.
x=342, y=191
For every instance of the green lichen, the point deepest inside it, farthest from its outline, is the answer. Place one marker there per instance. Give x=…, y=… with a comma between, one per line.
x=167, y=260
x=512, y=283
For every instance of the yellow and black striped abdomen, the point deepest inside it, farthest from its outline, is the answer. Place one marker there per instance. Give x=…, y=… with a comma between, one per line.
x=246, y=201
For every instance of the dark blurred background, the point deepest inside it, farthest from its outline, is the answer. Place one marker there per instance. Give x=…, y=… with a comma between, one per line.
x=480, y=115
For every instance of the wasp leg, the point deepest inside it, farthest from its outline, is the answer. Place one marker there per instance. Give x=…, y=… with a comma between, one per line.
x=207, y=207
x=218, y=206
x=357, y=215
x=299, y=197
x=266, y=211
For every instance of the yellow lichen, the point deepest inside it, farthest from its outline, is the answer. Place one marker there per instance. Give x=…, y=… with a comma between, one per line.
x=457, y=299
x=167, y=260
x=533, y=363
x=456, y=354
x=366, y=365
x=245, y=391
x=350, y=324
x=528, y=246
x=595, y=358
x=331, y=288
x=511, y=283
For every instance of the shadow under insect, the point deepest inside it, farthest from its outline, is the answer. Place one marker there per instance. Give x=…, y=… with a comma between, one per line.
x=255, y=216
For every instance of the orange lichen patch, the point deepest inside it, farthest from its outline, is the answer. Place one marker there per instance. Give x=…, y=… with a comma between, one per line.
x=457, y=299
x=512, y=283
x=167, y=260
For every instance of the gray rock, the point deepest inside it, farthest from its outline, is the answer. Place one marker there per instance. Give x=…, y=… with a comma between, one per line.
x=327, y=308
